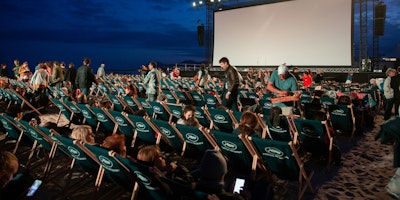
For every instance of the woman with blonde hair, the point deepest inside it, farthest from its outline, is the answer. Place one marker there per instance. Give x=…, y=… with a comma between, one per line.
x=83, y=133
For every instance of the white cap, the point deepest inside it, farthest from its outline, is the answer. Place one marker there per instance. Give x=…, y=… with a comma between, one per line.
x=282, y=69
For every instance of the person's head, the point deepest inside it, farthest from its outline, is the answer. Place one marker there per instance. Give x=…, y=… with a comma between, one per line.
x=71, y=65
x=224, y=62
x=81, y=98
x=102, y=65
x=213, y=166
x=248, y=122
x=344, y=99
x=86, y=61
x=15, y=111
x=283, y=71
x=8, y=167
x=152, y=155
x=3, y=65
x=391, y=72
x=152, y=65
x=295, y=69
x=115, y=142
x=202, y=66
x=83, y=133
x=188, y=112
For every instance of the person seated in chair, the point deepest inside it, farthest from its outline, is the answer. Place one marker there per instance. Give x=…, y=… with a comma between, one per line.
x=248, y=125
x=153, y=157
x=188, y=118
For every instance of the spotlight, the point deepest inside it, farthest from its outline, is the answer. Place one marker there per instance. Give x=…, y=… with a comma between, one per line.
x=200, y=2
x=194, y=4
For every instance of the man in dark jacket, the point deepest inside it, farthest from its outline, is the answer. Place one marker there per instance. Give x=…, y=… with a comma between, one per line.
x=231, y=84
x=84, y=77
x=70, y=74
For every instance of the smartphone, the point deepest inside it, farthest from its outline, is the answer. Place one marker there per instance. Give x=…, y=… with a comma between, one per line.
x=36, y=184
x=239, y=183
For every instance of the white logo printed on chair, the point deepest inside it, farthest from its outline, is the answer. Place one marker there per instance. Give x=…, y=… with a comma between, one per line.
x=120, y=121
x=274, y=152
x=166, y=132
x=220, y=118
x=5, y=124
x=106, y=163
x=101, y=117
x=268, y=105
x=141, y=127
x=34, y=134
x=145, y=180
x=75, y=153
x=229, y=146
x=193, y=139
x=339, y=112
x=157, y=109
x=86, y=114
x=210, y=101
x=176, y=113
x=61, y=107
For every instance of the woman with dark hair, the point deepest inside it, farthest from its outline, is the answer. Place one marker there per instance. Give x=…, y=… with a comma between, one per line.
x=188, y=118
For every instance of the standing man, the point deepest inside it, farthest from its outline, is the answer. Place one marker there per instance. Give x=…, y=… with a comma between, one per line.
x=202, y=76
x=152, y=81
x=100, y=71
x=84, y=77
x=395, y=83
x=57, y=76
x=231, y=84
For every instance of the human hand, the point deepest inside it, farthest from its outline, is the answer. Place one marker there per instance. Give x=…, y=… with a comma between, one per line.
x=227, y=95
x=212, y=197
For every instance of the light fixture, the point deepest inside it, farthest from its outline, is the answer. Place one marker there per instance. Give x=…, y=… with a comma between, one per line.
x=194, y=4
x=200, y=2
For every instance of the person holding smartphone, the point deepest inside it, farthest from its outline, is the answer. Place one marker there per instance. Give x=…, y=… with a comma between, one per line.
x=8, y=167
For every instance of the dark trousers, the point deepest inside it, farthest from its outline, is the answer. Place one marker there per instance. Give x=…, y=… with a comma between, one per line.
x=388, y=108
x=231, y=102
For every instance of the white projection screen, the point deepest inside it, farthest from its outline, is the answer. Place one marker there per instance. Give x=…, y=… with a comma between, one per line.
x=312, y=33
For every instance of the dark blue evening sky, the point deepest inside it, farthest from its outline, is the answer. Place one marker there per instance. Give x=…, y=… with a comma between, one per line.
x=124, y=33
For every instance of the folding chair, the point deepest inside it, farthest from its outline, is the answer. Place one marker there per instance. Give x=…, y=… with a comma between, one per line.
x=143, y=130
x=266, y=106
x=174, y=110
x=211, y=101
x=312, y=134
x=196, y=141
x=220, y=119
x=202, y=117
x=22, y=101
x=130, y=104
x=116, y=103
x=342, y=118
x=170, y=96
x=170, y=133
x=89, y=116
x=235, y=151
x=160, y=112
x=64, y=110
x=281, y=132
x=151, y=188
x=198, y=98
x=282, y=159
x=121, y=122
x=114, y=172
x=104, y=120
x=14, y=131
x=146, y=106
x=39, y=138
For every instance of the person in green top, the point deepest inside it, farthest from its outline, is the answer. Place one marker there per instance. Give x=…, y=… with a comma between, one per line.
x=282, y=82
x=16, y=69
